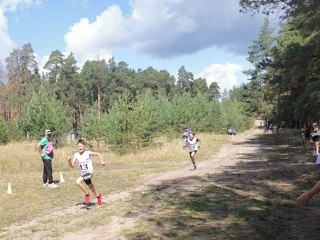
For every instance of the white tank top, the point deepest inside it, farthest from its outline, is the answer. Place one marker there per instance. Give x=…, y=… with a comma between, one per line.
x=192, y=144
x=84, y=162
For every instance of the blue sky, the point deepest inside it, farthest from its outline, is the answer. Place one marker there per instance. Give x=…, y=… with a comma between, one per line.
x=209, y=37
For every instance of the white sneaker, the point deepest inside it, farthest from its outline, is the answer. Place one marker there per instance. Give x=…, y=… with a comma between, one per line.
x=52, y=185
x=45, y=185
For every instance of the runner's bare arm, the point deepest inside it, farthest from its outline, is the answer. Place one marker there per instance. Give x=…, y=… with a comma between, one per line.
x=99, y=156
x=71, y=162
x=305, y=197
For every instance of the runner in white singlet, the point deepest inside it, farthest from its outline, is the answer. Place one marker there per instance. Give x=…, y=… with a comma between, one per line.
x=82, y=157
x=192, y=145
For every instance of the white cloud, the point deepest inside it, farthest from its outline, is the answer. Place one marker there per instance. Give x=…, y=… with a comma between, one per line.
x=6, y=43
x=82, y=3
x=224, y=74
x=96, y=40
x=165, y=28
x=42, y=60
x=13, y=5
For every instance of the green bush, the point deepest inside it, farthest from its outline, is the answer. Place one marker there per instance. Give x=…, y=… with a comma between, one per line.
x=133, y=125
x=116, y=126
x=90, y=127
x=4, y=133
x=44, y=112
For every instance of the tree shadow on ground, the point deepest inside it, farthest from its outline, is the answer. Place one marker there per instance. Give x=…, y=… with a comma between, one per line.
x=254, y=199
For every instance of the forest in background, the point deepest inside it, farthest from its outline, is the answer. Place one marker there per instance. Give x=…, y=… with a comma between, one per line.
x=108, y=101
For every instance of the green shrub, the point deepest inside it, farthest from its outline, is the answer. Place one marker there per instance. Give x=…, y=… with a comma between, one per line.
x=4, y=133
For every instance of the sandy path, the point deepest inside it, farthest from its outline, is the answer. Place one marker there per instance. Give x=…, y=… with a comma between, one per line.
x=231, y=153
x=228, y=155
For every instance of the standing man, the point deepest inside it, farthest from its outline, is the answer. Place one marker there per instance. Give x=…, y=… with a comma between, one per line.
x=45, y=150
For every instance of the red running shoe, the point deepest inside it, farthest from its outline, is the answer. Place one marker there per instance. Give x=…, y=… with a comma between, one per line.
x=99, y=197
x=88, y=197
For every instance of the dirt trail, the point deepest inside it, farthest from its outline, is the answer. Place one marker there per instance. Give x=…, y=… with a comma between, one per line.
x=230, y=154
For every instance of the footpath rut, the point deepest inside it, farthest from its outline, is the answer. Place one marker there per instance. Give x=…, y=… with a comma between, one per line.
x=228, y=155
x=240, y=147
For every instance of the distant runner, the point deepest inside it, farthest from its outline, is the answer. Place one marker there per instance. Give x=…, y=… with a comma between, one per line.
x=232, y=131
x=192, y=144
x=185, y=135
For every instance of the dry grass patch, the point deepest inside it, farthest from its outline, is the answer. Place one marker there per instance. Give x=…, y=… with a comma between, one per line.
x=20, y=165
x=255, y=199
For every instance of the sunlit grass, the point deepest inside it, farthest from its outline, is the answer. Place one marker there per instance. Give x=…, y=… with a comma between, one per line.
x=253, y=200
x=21, y=166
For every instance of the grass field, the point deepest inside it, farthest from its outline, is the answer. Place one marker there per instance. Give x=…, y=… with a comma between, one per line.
x=251, y=200
x=20, y=165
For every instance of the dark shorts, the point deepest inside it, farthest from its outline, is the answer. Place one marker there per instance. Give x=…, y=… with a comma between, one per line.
x=195, y=151
x=87, y=178
x=315, y=138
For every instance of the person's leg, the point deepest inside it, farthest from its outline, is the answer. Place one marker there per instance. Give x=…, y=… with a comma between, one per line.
x=307, y=138
x=88, y=180
x=190, y=155
x=44, y=175
x=93, y=189
x=48, y=170
x=193, y=159
x=316, y=143
x=79, y=183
